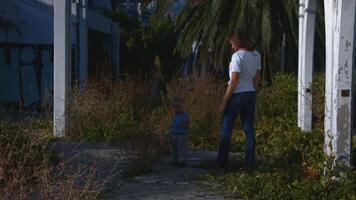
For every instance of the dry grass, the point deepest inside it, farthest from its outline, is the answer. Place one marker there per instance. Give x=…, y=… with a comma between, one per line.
x=201, y=98
x=108, y=112
x=112, y=112
x=27, y=171
x=126, y=113
x=120, y=113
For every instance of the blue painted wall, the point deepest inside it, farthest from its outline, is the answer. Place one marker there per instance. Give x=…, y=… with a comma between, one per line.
x=26, y=47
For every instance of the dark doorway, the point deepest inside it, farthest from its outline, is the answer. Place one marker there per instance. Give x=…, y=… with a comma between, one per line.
x=99, y=63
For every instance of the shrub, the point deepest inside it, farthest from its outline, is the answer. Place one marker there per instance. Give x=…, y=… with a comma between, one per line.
x=279, y=99
x=290, y=164
x=120, y=113
x=201, y=97
x=107, y=112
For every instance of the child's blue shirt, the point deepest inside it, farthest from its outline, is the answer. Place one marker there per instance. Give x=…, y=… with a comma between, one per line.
x=179, y=119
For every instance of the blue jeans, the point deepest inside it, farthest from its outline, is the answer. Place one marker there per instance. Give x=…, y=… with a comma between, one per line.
x=242, y=104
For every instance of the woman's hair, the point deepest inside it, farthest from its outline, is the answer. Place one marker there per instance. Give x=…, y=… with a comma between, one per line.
x=242, y=36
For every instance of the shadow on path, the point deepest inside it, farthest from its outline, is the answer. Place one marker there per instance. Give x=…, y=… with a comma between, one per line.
x=167, y=182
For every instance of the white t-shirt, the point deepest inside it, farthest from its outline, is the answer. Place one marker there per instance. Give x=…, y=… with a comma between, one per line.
x=246, y=63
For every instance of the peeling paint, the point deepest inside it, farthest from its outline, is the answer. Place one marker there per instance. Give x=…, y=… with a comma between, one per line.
x=347, y=44
x=339, y=21
x=343, y=142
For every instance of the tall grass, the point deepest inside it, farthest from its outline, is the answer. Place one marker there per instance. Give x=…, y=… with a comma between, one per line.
x=103, y=112
x=201, y=99
x=119, y=113
x=115, y=112
x=289, y=165
x=27, y=170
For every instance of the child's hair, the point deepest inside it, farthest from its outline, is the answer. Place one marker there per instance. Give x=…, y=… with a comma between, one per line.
x=177, y=102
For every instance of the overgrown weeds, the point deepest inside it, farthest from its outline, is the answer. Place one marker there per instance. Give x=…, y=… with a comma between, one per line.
x=290, y=164
x=27, y=170
x=120, y=113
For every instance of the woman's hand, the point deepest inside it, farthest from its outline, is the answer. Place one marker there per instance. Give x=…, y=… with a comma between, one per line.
x=256, y=80
x=222, y=106
x=230, y=88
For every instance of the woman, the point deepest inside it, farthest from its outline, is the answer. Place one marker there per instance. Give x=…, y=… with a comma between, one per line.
x=240, y=97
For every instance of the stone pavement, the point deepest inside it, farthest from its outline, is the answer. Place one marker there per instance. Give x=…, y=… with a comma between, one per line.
x=108, y=161
x=166, y=182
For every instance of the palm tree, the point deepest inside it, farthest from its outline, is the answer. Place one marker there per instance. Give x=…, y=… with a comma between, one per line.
x=210, y=22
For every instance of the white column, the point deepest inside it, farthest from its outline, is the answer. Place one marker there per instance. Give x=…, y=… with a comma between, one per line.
x=307, y=65
x=339, y=28
x=83, y=43
x=116, y=48
x=300, y=58
x=62, y=48
x=329, y=21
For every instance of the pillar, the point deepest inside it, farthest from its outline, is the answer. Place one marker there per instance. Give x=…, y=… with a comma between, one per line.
x=339, y=28
x=307, y=65
x=62, y=49
x=300, y=57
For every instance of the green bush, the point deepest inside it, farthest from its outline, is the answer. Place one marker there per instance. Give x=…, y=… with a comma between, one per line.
x=290, y=164
x=279, y=99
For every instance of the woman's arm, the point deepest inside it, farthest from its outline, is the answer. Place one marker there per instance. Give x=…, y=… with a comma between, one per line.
x=230, y=89
x=256, y=81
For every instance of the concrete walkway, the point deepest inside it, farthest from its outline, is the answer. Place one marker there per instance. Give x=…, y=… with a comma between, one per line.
x=166, y=182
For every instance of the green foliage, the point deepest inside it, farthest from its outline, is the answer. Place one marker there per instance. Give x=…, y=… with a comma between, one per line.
x=102, y=127
x=211, y=22
x=279, y=99
x=266, y=21
x=141, y=44
x=290, y=164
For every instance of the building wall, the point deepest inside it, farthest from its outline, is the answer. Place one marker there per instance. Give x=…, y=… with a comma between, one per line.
x=9, y=74
x=29, y=23
x=102, y=5
x=26, y=47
